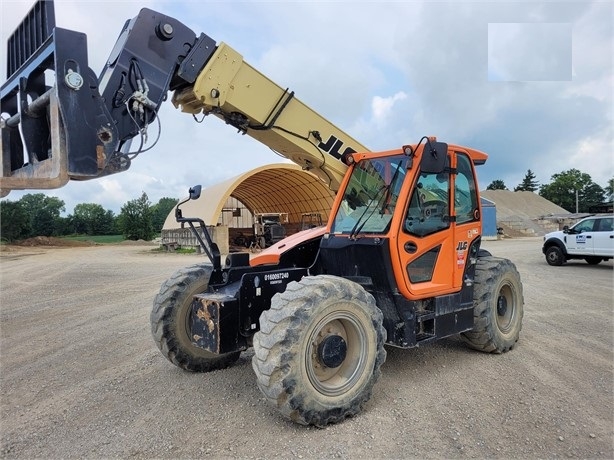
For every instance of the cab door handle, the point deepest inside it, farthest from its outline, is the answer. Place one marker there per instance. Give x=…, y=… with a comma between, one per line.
x=410, y=247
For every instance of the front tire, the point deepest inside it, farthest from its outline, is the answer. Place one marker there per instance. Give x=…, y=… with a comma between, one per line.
x=319, y=350
x=169, y=321
x=498, y=306
x=555, y=256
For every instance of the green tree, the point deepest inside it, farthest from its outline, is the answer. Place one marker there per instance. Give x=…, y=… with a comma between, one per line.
x=160, y=212
x=569, y=187
x=135, y=219
x=609, y=190
x=528, y=184
x=64, y=226
x=497, y=184
x=44, y=213
x=93, y=219
x=14, y=221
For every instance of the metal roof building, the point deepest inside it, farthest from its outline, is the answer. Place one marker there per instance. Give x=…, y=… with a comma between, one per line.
x=282, y=187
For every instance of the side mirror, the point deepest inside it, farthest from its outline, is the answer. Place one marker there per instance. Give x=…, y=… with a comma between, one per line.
x=566, y=229
x=434, y=157
x=195, y=192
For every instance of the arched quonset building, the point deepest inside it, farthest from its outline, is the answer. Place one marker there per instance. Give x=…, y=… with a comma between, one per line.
x=283, y=188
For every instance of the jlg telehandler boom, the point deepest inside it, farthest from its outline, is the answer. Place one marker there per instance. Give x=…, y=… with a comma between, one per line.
x=399, y=262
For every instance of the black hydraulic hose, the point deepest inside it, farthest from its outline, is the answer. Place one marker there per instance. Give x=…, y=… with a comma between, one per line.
x=271, y=123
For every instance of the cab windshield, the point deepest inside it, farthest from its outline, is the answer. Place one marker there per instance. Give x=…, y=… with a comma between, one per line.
x=371, y=196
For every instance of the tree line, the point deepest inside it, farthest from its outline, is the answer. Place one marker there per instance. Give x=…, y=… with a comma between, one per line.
x=572, y=190
x=37, y=214
x=40, y=215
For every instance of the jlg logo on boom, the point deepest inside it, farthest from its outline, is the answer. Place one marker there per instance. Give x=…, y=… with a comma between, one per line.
x=333, y=147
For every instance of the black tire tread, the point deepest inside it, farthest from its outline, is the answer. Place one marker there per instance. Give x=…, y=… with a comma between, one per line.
x=593, y=260
x=560, y=256
x=172, y=295
x=278, y=329
x=485, y=335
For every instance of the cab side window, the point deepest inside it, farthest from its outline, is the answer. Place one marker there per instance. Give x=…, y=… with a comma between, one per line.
x=585, y=226
x=606, y=225
x=429, y=205
x=465, y=193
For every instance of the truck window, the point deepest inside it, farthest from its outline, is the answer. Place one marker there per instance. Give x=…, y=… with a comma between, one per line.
x=584, y=226
x=606, y=225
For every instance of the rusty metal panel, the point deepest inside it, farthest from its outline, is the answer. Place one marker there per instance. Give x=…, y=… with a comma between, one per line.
x=214, y=322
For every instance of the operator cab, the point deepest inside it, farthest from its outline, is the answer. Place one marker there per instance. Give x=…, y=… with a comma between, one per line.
x=402, y=205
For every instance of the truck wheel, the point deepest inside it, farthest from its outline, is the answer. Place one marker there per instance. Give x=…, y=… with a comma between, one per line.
x=169, y=322
x=319, y=350
x=554, y=256
x=593, y=260
x=498, y=306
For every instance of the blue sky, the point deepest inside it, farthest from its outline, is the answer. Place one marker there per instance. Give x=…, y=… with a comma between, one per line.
x=530, y=83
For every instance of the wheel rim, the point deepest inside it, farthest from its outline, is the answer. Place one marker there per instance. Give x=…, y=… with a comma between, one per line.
x=506, y=308
x=553, y=256
x=333, y=381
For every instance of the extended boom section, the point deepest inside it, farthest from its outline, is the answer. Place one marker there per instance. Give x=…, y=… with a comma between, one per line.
x=61, y=122
x=243, y=97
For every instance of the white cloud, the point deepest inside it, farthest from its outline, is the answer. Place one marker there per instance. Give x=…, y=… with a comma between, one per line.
x=382, y=106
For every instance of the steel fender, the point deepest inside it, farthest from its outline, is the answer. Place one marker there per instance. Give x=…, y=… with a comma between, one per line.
x=554, y=242
x=272, y=254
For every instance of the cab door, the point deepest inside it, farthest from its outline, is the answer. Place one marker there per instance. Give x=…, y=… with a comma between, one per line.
x=581, y=238
x=603, y=237
x=425, y=248
x=467, y=214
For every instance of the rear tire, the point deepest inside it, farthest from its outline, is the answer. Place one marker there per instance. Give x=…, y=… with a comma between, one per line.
x=593, y=260
x=498, y=306
x=555, y=256
x=319, y=350
x=169, y=321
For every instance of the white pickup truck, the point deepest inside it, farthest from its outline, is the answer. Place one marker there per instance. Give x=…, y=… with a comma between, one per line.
x=591, y=239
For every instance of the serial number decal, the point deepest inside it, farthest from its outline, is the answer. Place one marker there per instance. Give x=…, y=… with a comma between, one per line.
x=276, y=276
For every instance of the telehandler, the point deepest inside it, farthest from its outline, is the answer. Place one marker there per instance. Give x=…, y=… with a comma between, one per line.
x=398, y=263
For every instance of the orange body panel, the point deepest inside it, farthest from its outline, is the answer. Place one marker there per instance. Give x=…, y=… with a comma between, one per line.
x=454, y=243
x=271, y=255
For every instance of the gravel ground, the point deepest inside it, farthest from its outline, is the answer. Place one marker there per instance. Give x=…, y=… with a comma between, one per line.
x=81, y=377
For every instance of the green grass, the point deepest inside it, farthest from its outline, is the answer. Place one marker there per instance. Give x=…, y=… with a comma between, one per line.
x=185, y=251
x=100, y=239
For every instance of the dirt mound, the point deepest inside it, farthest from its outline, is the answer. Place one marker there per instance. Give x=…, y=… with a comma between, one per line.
x=52, y=241
x=521, y=204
